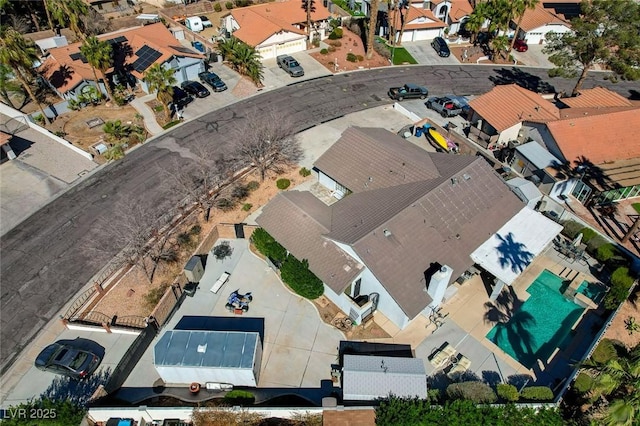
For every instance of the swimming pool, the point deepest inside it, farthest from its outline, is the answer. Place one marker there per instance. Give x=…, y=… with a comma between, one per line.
x=593, y=291
x=542, y=324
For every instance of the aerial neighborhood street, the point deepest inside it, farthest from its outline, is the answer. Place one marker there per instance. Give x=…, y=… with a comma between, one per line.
x=293, y=213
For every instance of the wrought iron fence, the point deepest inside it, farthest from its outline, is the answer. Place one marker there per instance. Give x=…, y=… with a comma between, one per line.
x=79, y=303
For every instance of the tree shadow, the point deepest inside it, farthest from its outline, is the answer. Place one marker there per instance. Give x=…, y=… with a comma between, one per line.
x=519, y=380
x=583, y=169
x=78, y=392
x=58, y=76
x=513, y=254
x=523, y=79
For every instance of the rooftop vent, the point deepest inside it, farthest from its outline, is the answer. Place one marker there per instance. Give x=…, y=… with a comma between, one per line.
x=386, y=232
x=454, y=180
x=202, y=348
x=466, y=176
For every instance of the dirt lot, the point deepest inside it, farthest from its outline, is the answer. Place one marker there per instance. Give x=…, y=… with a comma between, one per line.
x=126, y=297
x=474, y=53
x=349, y=43
x=617, y=330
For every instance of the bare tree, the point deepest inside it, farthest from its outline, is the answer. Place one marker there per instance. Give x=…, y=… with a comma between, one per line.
x=269, y=143
x=202, y=181
x=138, y=231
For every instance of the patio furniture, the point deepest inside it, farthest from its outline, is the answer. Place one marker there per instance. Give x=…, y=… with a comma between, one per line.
x=443, y=355
x=462, y=365
x=221, y=281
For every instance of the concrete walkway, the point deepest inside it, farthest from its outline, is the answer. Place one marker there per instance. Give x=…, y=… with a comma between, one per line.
x=148, y=115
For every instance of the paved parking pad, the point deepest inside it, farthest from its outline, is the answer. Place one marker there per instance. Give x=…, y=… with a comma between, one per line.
x=298, y=348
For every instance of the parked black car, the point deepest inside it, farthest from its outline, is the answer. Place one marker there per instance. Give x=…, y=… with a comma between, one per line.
x=68, y=359
x=212, y=80
x=440, y=46
x=180, y=99
x=194, y=88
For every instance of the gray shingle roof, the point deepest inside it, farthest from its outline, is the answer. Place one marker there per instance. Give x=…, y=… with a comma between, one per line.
x=298, y=220
x=371, y=158
x=442, y=218
x=371, y=377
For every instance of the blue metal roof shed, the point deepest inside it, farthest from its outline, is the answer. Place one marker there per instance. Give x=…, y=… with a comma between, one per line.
x=183, y=356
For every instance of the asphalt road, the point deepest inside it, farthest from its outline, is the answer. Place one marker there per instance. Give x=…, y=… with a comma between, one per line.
x=45, y=260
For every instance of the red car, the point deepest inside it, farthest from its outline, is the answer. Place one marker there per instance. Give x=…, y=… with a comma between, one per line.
x=520, y=45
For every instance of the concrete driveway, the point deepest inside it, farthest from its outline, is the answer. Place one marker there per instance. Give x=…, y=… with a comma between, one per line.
x=275, y=77
x=533, y=57
x=298, y=347
x=424, y=54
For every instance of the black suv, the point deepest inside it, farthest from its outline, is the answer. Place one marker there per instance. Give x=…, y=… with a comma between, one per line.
x=440, y=46
x=194, y=88
x=212, y=80
x=180, y=99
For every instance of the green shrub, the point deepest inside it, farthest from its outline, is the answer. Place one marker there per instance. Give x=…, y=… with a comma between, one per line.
x=537, y=393
x=246, y=207
x=195, y=230
x=228, y=5
x=604, y=352
x=324, y=51
x=217, y=7
x=478, y=392
x=268, y=246
x=283, y=183
x=225, y=204
x=158, y=108
x=39, y=119
x=621, y=282
x=588, y=234
x=594, y=243
x=240, y=397
x=304, y=172
x=583, y=383
x=606, y=252
x=351, y=57
x=360, y=58
x=253, y=185
x=571, y=229
x=296, y=274
x=507, y=392
x=334, y=43
x=434, y=396
x=338, y=31
x=171, y=124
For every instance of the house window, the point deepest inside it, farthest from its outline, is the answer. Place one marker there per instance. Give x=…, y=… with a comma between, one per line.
x=356, y=288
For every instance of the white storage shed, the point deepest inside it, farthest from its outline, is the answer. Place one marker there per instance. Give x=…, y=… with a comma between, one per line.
x=183, y=357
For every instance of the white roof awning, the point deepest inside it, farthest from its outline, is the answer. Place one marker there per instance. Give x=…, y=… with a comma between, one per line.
x=148, y=17
x=510, y=250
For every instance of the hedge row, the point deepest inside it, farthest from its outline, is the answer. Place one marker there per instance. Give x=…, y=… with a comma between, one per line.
x=482, y=393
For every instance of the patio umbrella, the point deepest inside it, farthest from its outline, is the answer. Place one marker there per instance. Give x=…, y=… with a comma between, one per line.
x=577, y=240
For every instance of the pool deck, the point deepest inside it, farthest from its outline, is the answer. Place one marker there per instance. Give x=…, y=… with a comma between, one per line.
x=465, y=327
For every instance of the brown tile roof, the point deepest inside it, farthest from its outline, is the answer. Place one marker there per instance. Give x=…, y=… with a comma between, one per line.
x=349, y=417
x=259, y=22
x=298, y=220
x=620, y=173
x=599, y=138
x=382, y=161
x=539, y=16
x=460, y=9
x=428, y=218
x=505, y=106
x=65, y=73
x=596, y=97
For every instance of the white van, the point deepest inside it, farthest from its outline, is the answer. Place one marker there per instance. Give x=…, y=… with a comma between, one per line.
x=194, y=23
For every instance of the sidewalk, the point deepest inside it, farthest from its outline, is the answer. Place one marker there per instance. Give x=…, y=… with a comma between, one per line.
x=149, y=117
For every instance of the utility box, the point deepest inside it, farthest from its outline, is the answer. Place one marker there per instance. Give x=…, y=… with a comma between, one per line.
x=194, y=270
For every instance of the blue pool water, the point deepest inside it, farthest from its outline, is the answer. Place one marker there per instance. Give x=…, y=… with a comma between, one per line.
x=542, y=324
x=593, y=291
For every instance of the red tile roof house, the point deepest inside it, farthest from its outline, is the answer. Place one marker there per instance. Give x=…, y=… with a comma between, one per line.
x=405, y=227
x=135, y=50
x=598, y=129
x=543, y=19
x=453, y=12
x=276, y=28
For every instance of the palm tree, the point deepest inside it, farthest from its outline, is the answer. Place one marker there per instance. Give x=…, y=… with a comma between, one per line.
x=373, y=26
x=618, y=380
x=7, y=84
x=243, y=58
x=476, y=21
x=161, y=80
x=69, y=13
x=52, y=27
x=520, y=8
x=404, y=11
x=20, y=54
x=499, y=44
x=99, y=54
x=115, y=130
x=308, y=6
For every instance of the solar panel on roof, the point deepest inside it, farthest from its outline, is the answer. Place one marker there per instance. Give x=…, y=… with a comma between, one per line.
x=182, y=49
x=78, y=56
x=146, y=57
